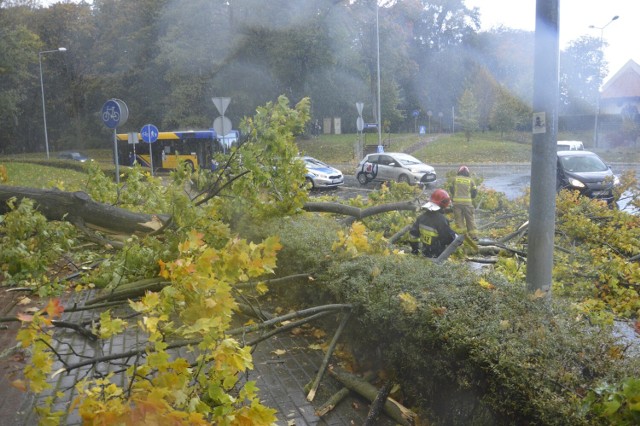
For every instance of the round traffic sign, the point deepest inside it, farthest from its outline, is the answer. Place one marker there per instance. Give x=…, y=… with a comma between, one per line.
x=222, y=126
x=149, y=133
x=114, y=113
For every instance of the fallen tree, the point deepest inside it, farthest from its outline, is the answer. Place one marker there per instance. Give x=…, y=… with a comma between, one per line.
x=78, y=207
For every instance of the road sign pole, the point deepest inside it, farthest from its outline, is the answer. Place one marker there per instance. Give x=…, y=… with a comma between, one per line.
x=149, y=134
x=114, y=113
x=149, y=138
x=115, y=157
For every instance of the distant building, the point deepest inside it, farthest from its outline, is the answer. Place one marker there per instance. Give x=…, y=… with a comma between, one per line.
x=619, y=108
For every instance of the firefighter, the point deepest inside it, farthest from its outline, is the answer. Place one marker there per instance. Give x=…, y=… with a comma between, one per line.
x=463, y=192
x=431, y=229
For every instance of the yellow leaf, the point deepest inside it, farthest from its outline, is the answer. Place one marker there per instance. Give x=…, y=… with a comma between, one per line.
x=279, y=352
x=440, y=311
x=318, y=333
x=19, y=384
x=539, y=294
x=486, y=284
x=408, y=303
x=262, y=288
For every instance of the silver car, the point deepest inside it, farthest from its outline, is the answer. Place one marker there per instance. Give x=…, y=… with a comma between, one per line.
x=395, y=166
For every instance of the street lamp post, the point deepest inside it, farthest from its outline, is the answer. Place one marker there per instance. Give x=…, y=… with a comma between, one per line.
x=595, y=125
x=44, y=112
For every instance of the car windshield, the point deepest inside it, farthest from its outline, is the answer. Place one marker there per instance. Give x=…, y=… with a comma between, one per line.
x=313, y=163
x=407, y=160
x=583, y=163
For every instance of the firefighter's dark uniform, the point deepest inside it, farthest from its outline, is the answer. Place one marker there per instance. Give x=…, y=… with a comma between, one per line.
x=431, y=230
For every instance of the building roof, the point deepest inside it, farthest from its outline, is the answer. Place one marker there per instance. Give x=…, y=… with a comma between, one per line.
x=624, y=84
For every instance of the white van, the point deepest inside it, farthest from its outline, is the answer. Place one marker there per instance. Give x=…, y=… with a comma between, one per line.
x=570, y=146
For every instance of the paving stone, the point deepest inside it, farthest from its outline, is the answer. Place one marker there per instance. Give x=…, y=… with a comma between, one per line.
x=283, y=365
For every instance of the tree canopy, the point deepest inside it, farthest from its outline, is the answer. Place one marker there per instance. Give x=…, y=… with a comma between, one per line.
x=166, y=60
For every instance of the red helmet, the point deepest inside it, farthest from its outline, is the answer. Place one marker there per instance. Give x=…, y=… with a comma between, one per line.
x=463, y=170
x=441, y=198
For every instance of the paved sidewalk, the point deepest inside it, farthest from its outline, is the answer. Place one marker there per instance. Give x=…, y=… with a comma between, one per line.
x=283, y=365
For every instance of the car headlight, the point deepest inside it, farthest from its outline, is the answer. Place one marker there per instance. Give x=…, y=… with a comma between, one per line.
x=576, y=183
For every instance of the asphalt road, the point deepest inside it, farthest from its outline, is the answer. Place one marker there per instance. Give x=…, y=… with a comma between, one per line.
x=510, y=179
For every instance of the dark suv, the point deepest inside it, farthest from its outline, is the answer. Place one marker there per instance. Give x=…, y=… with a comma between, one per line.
x=585, y=172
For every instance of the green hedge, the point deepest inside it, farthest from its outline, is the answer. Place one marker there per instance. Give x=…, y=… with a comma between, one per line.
x=467, y=354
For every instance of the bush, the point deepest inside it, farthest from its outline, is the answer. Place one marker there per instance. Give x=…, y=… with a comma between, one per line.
x=475, y=350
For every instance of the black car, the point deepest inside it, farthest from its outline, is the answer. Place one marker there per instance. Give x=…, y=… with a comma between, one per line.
x=585, y=172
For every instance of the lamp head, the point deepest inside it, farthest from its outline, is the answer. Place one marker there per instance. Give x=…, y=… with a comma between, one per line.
x=615, y=18
x=62, y=49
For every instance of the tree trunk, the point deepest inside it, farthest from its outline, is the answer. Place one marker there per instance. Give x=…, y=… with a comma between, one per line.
x=392, y=408
x=79, y=207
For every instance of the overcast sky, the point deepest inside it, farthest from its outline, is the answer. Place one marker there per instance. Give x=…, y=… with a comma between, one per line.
x=623, y=35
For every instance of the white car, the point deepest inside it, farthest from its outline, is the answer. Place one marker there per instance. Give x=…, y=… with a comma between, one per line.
x=321, y=175
x=570, y=146
x=395, y=166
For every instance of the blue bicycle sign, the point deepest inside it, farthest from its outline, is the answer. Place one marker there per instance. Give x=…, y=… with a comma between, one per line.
x=114, y=113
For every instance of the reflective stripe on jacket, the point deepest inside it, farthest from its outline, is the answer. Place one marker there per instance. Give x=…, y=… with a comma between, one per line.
x=463, y=188
x=427, y=234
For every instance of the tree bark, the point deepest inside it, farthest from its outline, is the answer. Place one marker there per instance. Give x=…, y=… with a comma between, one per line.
x=325, y=361
x=378, y=403
x=356, y=212
x=79, y=207
x=392, y=408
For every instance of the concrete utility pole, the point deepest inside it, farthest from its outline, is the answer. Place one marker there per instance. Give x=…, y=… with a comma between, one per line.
x=542, y=212
x=378, y=75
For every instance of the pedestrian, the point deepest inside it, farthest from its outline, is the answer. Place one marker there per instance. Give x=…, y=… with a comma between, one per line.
x=464, y=191
x=431, y=233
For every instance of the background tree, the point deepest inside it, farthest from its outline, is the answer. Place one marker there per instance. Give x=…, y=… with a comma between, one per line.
x=509, y=113
x=16, y=64
x=582, y=69
x=484, y=88
x=468, y=113
x=507, y=54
